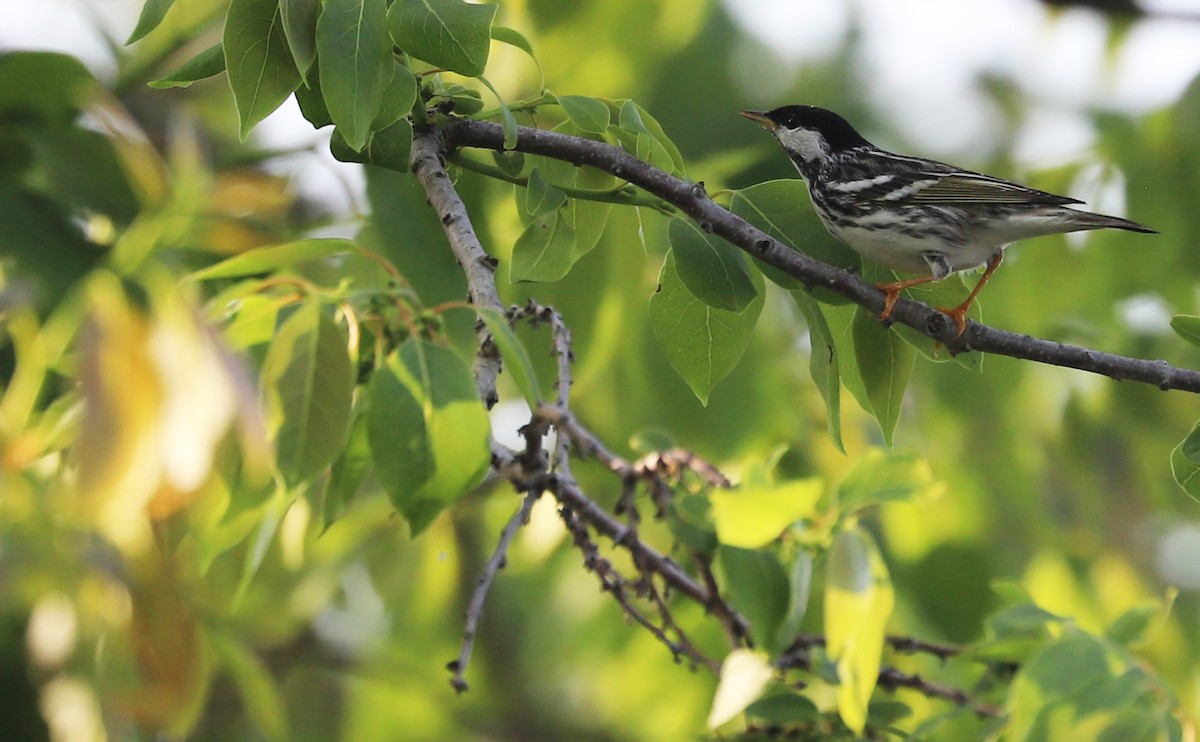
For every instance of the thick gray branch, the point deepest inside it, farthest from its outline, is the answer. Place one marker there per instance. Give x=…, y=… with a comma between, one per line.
x=692, y=200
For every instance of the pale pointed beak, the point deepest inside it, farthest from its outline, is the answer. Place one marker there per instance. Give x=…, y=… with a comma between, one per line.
x=761, y=118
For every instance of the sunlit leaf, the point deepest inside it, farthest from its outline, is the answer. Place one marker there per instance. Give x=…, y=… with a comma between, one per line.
x=428, y=430
x=751, y=517
x=262, y=72
x=757, y=587
x=713, y=270
x=206, y=64
x=702, y=344
x=307, y=381
x=450, y=34
x=885, y=363
x=276, y=257
x=858, y=601
x=745, y=674
x=355, y=62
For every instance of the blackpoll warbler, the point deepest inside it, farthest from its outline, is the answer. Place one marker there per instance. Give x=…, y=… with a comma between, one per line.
x=915, y=215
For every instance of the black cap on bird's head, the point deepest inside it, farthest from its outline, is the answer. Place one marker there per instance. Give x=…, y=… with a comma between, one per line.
x=809, y=133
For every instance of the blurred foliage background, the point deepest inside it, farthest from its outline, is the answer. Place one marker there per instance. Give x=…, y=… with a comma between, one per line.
x=1053, y=479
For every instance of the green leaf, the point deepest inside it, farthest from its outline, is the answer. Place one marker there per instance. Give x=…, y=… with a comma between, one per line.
x=799, y=590
x=1187, y=327
x=508, y=122
x=885, y=363
x=1185, y=463
x=300, y=19
x=348, y=472
x=589, y=114
x=713, y=270
x=540, y=197
x=780, y=709
x=45, y=244
x=512, y=350
x=449, y=34
x=883, y=476
x=823, y=363
x=398, y=99
x=312, y=102
x=641, y=133
x=82, y=168
x=260, y=695
x=1131, y=626
x=757, y=587
x=275, y=257
x=43, y=87
x=858, y=601
x=152, y=15
x=544, y=251
x=355, y=63
x=308, y=382
x=781, y=208
x=587, y=218
x=745, y=675
x=750, y=517
x=514, y=38
x=206, y=64
x=701, y=343
x=262, y=73
x=390, y=148
x=428, y=430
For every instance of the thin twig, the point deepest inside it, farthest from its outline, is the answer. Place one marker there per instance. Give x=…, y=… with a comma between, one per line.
x=692, y=199
x=479, y=597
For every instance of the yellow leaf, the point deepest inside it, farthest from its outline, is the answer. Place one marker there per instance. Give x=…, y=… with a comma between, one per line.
x=858, y=600
x=750, y=517
x=744, y=676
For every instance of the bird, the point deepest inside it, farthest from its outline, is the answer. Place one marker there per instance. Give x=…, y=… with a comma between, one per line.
x=915, y=215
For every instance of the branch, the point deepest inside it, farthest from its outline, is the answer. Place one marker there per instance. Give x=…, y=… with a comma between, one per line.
x=533, y=473
x=692, y=199
x=479, y=267
x=475, y=608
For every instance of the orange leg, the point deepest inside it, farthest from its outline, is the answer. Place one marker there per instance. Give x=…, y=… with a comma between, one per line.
x=892, y=292
x=959, y=313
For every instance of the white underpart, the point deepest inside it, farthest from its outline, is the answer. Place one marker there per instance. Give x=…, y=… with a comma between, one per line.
x=854, y=186
x=903, y=252
x=807, y=144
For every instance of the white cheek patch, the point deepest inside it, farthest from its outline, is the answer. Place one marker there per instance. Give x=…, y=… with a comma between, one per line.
x=806, y=144
x=854, y=186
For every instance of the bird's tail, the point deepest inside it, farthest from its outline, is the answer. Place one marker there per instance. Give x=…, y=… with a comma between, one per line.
x=1088, y=220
